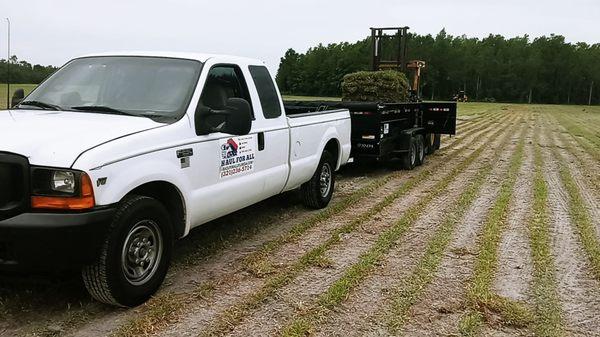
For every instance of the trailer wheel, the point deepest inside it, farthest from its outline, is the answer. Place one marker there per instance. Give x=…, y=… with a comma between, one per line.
x=135, y=255
x=437, y=141
x=409, y=158
x=420, y=144
x=317, y=192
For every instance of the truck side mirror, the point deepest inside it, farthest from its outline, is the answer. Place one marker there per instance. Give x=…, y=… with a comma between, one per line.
x=18, y=96
x=235, y=118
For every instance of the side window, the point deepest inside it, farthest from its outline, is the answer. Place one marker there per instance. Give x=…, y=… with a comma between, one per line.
x=224, y=82
x=269, y=100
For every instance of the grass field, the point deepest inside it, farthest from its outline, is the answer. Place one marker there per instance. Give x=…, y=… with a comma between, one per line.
x=497, y=234
x=13, y=87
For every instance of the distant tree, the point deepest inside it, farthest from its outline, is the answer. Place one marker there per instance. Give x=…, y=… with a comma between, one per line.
x=546, y=69
x=23, y=72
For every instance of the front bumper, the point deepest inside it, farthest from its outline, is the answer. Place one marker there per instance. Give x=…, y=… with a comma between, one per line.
x=52, y=241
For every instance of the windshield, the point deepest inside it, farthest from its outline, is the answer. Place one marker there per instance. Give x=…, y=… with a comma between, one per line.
x=146, y=86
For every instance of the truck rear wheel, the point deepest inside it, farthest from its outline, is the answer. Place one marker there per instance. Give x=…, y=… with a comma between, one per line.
x=420, y=143
x=317, y=192
x=409, y=158
x=135, y=256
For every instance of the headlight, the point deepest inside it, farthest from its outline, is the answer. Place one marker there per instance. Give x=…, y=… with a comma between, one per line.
x=63, y=181
x=61, y=189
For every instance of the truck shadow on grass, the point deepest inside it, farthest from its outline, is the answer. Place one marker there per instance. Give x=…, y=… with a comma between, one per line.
x=47, y=301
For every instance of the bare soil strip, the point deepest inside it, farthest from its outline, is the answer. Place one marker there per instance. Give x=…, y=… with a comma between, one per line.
x=368, y=309
x=354, y=275
x=577, y=288
x=485, y=305
x=316, y=280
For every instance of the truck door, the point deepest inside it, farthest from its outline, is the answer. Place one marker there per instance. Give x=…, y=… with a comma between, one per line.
x=273, y=133
x=229, y=172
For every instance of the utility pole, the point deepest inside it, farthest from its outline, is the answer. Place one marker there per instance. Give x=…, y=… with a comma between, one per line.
x=591, y=88
x=8, y=69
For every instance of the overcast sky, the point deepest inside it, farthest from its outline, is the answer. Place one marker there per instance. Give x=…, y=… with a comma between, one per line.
x=53, y=31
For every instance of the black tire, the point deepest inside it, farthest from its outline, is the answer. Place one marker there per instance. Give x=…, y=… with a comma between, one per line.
x=437, y=141
x=409, y=158
x=142, y=224
x=420, y=157
x=316, y=193
x=429, y=148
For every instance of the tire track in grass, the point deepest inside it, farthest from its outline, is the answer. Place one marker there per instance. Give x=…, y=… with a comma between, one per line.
x=579, y=136
x=578, y=210
x=233, y=315
x=299, y=294
x=548, y=312
x=578, y=290
x=483, y=304
x=429, y=302
x=354, y=275
x=587, y=194
x=370, y=305
x=167, y=297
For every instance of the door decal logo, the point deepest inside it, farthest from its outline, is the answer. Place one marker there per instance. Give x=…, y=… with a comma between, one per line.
x=237, y=156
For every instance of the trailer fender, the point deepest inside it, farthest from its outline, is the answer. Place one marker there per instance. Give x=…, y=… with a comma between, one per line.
x=405, y=136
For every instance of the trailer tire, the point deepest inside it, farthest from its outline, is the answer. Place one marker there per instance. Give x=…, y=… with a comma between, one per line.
x=317, y=192
x=420, y=144
x=135, y=256
x=409, y=158
x=437, y=141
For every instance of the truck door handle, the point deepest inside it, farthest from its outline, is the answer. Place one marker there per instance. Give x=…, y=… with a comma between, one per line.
x=261, y=141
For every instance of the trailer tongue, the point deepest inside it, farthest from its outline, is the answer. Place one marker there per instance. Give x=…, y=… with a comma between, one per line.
x=383, y=131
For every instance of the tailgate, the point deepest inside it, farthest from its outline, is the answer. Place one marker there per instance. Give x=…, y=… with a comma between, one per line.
x=439, y=117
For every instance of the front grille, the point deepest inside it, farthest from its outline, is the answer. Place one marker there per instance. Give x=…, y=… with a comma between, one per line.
x=14, y=184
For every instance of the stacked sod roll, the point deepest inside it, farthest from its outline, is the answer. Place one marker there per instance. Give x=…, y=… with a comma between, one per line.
x=375, y=86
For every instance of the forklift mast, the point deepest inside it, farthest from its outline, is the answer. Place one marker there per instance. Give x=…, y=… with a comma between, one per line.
x=399, y=57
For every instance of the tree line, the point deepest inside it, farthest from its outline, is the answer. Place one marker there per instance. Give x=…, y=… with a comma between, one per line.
x=24, y=72
x=546, y=69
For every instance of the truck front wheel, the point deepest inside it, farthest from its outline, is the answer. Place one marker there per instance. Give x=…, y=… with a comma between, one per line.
x=135, y=255
x=317, y=192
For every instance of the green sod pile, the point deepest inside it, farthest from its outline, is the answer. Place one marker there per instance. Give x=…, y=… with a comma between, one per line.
x=378, y=86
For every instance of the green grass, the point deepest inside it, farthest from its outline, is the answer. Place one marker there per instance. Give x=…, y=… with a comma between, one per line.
x=548, y=313
x=580, y=216
x=27, y=87
x=341, y=288
x=411, y=288
x=480, y=297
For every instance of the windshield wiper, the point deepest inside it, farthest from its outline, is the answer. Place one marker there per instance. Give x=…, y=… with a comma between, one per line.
x=42, y=105
x=103, y=108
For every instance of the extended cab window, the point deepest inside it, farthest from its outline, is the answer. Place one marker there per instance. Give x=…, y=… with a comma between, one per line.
x=269, y=100
x=224, y=82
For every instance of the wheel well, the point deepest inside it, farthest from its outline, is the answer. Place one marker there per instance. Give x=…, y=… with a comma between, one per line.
x=333, y=147
x=171, y=198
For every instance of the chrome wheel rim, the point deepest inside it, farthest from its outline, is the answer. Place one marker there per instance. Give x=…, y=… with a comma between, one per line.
x=142, y=252
x=325, y=180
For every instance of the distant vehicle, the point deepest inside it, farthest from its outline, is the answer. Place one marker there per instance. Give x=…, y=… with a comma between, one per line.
x=460, y=97
x=115, y=156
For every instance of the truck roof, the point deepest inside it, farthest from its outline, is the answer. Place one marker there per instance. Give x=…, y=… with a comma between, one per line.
x=202, y=57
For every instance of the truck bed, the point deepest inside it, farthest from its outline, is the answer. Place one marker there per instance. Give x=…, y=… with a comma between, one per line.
x=378, y=128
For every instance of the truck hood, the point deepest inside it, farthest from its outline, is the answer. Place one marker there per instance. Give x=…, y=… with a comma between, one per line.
x=57, y=138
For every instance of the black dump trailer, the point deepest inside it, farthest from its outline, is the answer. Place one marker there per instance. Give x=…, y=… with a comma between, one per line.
x=384, y=131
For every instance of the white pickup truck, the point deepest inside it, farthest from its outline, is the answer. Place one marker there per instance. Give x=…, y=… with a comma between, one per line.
x=115, y=156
